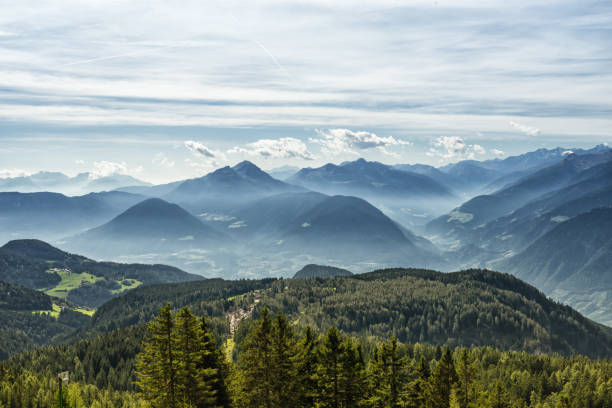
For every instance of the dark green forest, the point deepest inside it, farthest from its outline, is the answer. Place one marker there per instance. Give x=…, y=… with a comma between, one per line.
x=390, y=338
x=280, y=364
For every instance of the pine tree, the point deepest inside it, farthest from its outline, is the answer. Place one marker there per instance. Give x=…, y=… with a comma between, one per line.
x=214, y=358
x=284, y=372
x=416, y=393
x=254, y=377
x=442, y=381
x=466, y=375
x=193, y=380
x=156, y=366
x=329, y=370
x=389, y=370
x=352, y=374
x=306, y=366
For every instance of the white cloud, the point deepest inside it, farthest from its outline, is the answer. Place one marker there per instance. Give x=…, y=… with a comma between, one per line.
x=454, y=148
x=338, y=141
x=161, y=160
x=79, y=162
x=11, y=173
x=209, y=158
x=106, y=168
x=528, y=130
x=284, y=148
x=498, y=153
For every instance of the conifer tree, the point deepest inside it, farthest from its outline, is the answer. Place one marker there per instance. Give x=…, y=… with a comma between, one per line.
x=466, y=375
x=329, y=370
x=214, y=358
x=284, y=372
x=442, y=381
x=254, y=377
x=417, y=391
x=352, y=374
x=156, y=365
x=306, y=366
x=193, y=379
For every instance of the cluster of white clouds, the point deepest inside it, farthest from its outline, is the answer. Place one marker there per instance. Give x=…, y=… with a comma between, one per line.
x=528, y=130
x=450, y=148
x=340, y=141
x=105, y=168
x=283, y=148
x=335, y=142
x=12, y=173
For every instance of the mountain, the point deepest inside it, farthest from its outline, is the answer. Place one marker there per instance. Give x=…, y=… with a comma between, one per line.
x=476, y=212
x=82, y=281
x=491, y=175
x=321, y=271
x=228, y=187
x=52, y=215
x=572, y=262
x=283, y=172
x=408, y=197
x=364, y=178
x=152, y=225
x=471, y=308
x=82, y=183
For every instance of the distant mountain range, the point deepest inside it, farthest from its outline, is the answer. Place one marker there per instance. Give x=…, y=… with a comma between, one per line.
x=82, y=183
x=240, y=221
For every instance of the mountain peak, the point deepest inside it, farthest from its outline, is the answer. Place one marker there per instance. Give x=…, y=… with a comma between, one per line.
x=36, y=249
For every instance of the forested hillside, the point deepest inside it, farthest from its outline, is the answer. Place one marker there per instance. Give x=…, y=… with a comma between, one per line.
x=279, y=365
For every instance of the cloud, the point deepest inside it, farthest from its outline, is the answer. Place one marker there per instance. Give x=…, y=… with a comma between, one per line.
x=199, y=149
x=161, y=160
x=106, y=168
x=79, y=162
x=528, y=130
x=454, y=148
x=498, y=153
x=209, y=158
x=338, y=141
x=11, y=173
x=283, y=148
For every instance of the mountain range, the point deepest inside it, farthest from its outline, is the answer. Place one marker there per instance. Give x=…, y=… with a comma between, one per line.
x=240, y=221
x=57, y=182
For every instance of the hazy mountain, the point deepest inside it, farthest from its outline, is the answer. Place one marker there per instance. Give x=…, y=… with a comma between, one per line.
x=83, y=281
x=52, y=215
x=152, y=225
x=228, y=187
x=364, y=178
x=476, y=212
x=283, y=172
x=321, y=271
x=158, y=191
x=82, y=183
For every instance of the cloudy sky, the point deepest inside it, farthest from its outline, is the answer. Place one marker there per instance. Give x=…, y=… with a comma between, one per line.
x=165, y=90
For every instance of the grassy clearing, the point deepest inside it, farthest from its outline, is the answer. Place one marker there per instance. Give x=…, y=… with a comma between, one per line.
x=53, y=313
x=88, y=312
x=127, y=284
x=70, y=281
x=229, y=348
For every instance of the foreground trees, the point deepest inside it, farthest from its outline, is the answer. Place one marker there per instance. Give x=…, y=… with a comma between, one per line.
x=181, y=366
x=278, y=364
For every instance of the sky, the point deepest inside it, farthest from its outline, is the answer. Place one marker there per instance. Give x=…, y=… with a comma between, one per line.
x=166, y=90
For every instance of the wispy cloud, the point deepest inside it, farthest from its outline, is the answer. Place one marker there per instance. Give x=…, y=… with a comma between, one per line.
x=339, y=141
x=528, y=130
x=105, y=168
x=283, y=148
x=449, y=148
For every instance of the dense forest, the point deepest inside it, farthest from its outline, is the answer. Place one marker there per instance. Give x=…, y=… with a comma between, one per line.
x=279, y=364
